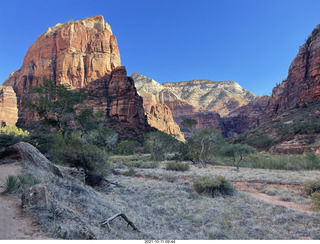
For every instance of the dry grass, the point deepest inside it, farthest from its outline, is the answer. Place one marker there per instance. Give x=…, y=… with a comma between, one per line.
x=169, y=208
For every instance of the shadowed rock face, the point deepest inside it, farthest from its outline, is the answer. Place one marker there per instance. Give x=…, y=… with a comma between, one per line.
x=245, y=118
x=8, y=106
x=83, y=54
x=303, y=81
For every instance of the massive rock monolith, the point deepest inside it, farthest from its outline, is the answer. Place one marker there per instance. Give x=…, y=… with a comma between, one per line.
x=84, y=55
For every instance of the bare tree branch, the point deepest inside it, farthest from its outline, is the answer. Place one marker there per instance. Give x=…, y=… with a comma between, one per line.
x=107, y=221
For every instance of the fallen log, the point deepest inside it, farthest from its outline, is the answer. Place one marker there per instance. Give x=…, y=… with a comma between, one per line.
x=107, y=221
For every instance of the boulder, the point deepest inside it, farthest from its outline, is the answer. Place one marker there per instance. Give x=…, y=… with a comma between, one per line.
x=26, y=153
x=36, y=196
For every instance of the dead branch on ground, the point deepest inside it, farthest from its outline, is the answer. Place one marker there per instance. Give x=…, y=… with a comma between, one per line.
x=107, y=221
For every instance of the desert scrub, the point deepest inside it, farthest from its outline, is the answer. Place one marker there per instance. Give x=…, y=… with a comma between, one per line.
x=18, y=183
x=177, y=166
x=311, y=187
x=10, y=184
x=216, y=186
x=129, y=172
x=315, y=197
x=142, y=165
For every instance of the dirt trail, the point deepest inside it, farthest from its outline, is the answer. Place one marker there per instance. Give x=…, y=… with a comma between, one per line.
x=15, y=223
x=248, y=188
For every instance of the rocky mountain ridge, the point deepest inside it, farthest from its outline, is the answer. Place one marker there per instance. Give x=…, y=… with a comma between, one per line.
x=201, y=100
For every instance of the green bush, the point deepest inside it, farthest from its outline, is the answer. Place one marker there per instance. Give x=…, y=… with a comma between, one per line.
x=313, y=161
x=82, y=154
x=312, y=186
x=10, y=184
x=103, y=137
x=315, y=197
x=18, y=183
x=127, y=148
x=216, y=186
x=42, y=141
x=129, y=172
x=177, y=166
x=10, y=135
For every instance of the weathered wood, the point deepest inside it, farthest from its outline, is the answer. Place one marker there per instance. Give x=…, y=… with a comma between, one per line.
x=113, y=183
x=107, y=221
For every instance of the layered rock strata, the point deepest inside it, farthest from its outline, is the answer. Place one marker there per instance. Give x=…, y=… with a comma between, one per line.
x=84, y=55
x=8, y=106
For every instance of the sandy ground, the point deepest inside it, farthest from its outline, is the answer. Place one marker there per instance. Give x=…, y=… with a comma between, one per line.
x=15, y=223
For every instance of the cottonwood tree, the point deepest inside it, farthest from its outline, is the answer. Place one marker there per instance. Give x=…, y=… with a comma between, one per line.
x=204, y=145
x=237, y=152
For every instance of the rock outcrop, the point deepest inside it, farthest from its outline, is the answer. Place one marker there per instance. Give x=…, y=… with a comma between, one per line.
x=25, y=152
x=155, y=100
x=303, y=81
x=160, y=117
x=246, y=117
x=8, y=106
x=84, y=55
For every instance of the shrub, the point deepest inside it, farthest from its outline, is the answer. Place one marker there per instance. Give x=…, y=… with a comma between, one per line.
x=312, y=186
x=18, y=183
x=216, y=186
x=10, y=135
x=315, y=197
x=82, y=154
x=126, y=148
x=129, y=172
x=10, y=184
x=313, y=161
x=177, y=166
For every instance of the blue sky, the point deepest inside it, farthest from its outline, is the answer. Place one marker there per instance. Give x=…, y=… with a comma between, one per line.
x=251, y=42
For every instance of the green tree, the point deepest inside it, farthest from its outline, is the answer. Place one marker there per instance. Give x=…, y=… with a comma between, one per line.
x=204, y=144
x=237, y=152
x=189, y=124
x=160, y=144
x=127, y=148
x=58, y=106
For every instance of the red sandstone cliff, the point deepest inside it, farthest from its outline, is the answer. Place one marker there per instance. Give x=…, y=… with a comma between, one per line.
x=8, y=106
x=83, y=54
x=303, y=81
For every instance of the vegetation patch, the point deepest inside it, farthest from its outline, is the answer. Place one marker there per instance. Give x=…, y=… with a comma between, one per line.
x=177, y=166
x=312, y=186
x=217, y=186
x=18, y=184
x=315, y=197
